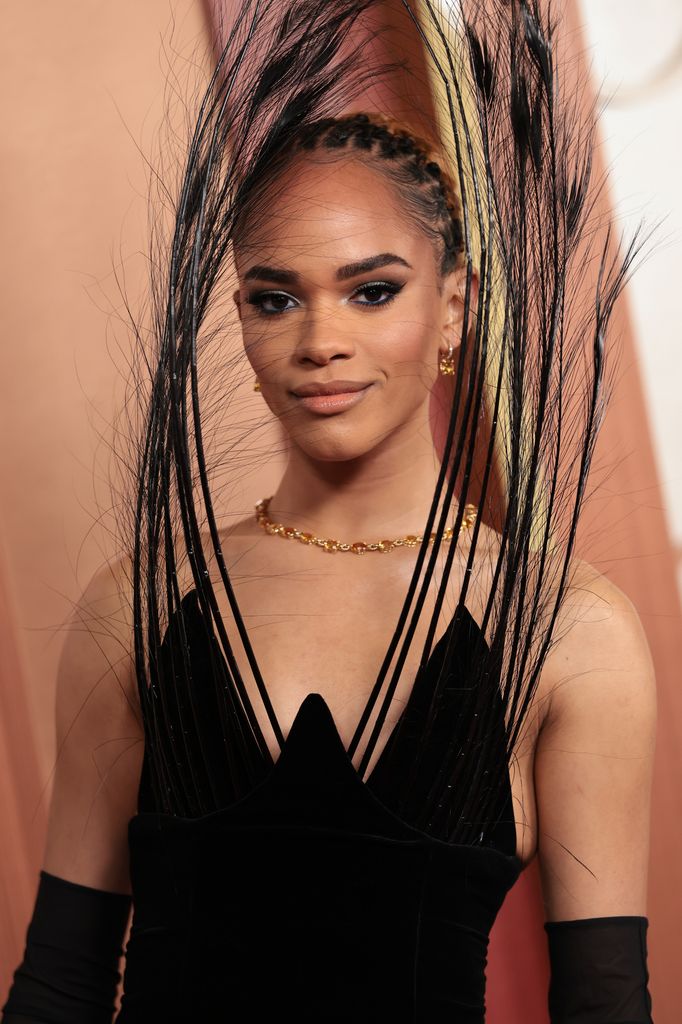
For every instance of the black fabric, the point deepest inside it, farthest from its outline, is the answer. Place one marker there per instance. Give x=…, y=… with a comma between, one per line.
x=599, y=971
x=308, y=900
x=69, y=974
x=407, y=755
x=316, y=897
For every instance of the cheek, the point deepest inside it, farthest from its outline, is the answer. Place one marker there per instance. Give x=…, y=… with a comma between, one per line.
x=409, y=347
x=262, y=346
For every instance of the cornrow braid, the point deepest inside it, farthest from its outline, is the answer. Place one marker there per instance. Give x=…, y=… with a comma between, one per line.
x=406, y=159
x=409, y=162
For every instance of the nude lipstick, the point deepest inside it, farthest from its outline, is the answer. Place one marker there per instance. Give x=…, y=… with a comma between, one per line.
x=326, y=398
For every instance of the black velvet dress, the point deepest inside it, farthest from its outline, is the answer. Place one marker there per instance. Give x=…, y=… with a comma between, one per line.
x=311, y=899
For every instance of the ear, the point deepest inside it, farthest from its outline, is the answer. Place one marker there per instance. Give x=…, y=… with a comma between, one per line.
x=454, y=303
x=237, y=302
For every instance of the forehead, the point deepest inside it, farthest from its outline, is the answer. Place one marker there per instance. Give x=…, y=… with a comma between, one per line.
x=329, y=210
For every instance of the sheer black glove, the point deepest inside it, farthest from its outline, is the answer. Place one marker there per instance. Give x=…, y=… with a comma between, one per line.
x=69, y=973
x=599, y=971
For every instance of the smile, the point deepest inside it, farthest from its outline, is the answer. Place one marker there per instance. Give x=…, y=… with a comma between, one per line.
x=326, y=399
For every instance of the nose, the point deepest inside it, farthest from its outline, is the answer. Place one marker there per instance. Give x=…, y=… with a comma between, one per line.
x=323, y=338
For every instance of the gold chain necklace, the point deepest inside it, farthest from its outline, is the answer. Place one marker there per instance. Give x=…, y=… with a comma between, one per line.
x=359, y=547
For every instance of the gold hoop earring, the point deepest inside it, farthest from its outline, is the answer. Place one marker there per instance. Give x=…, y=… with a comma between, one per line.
x=446, y=363
x=256, y=385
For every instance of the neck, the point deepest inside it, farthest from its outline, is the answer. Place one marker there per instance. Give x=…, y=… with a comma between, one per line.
x=386, y=493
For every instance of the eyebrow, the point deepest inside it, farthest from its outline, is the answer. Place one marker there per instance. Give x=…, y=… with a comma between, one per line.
x=382, y=259
x=264, y=273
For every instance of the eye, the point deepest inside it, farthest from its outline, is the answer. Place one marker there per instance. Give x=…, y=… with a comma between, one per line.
x=270, y=303
x=374, y=290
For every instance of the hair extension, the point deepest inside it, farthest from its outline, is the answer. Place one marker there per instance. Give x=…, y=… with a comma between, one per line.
x=406, y=160
x=507, y=195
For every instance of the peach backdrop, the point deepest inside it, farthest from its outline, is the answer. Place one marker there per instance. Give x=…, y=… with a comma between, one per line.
x=82, y=87
x=79, y=97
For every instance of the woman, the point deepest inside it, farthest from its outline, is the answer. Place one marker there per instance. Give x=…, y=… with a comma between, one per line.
x=296, y=838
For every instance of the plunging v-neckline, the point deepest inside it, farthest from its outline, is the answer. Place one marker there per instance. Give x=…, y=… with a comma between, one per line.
x=409, y=703
x=315, y=696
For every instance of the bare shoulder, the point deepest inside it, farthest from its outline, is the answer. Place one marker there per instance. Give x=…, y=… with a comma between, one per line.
x=100, y=738
x=593, y=764
x=98, y=642
x=239, y=540
x=600, y=661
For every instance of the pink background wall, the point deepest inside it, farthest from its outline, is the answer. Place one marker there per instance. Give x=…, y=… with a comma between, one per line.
x=81, y=87
x=79, y=96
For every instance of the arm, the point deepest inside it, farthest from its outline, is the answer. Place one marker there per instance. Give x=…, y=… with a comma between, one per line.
x=70, y=968
x=593, y=769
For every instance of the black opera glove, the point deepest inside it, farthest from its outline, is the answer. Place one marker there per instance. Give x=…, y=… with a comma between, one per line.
x=599, y=971
x=69, y=974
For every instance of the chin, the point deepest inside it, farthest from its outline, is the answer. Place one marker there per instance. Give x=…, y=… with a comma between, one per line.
x=331, y=445
x=332, y=452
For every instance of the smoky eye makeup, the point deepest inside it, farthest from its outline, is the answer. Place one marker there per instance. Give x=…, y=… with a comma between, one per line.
x=370, y=295
x=276, y=299
x=371, y=288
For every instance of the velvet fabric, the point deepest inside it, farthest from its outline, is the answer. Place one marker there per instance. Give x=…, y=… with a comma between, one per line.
x=308, y=899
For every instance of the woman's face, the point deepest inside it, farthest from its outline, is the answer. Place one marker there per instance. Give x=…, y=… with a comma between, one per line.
x=343, y=312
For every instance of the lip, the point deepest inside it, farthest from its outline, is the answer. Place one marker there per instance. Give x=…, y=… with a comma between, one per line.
x=332, y=397
x=330, y=387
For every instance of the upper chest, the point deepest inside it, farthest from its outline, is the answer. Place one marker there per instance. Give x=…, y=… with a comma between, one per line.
x=328, y=623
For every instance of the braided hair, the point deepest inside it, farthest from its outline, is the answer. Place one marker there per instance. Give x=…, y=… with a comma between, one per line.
x=404, y=158
x=522, y=218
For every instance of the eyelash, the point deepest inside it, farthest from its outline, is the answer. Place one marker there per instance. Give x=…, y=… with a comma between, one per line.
x=258, y=298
